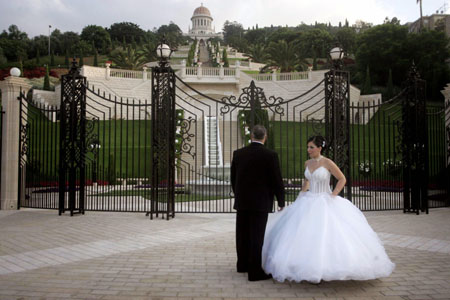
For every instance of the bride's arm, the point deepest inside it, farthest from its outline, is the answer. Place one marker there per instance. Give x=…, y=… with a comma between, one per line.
x=305, y=185
x=337, y=173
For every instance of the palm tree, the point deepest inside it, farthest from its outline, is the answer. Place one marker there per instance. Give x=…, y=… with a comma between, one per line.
x=257, y=53
x=149, y=52
x=129, y=59
x=285, y=56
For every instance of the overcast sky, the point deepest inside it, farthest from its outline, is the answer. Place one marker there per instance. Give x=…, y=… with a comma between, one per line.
x=34, y=16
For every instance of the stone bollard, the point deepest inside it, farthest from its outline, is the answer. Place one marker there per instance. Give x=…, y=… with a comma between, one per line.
x=221, y=71
x=199, y=70
x=144, y=73
x=11, y=88
x=237, y=66
x=107, y=71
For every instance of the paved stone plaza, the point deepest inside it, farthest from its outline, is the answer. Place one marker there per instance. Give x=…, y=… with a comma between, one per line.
x=127, y=256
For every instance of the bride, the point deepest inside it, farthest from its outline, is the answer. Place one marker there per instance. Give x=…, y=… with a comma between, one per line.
x=322, y=236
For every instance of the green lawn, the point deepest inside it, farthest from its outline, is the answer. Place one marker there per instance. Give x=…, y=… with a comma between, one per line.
x=146, y=194
x=128, y=142
x=376, y=141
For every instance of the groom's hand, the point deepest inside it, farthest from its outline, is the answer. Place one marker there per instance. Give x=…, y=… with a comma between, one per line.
x=280, y=208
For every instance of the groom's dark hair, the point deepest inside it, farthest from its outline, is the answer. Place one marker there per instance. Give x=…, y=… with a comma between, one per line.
x=259, y=132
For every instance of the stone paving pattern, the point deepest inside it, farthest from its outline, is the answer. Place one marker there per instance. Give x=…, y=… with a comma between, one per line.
x=105, y=255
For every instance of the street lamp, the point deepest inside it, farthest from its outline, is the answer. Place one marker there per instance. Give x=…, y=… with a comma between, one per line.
x=336, y=55
x=49, y=27
x=163, y=52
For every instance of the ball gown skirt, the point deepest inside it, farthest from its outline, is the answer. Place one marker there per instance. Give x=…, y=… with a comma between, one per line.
x=321, y=237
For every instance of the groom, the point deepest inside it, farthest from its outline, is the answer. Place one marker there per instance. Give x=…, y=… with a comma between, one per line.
x=255, y=179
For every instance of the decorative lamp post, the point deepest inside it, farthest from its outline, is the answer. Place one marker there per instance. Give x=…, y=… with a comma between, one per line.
x=336, y=55
x=162, y=152
x=163, y=52
x=337, y=115
x=49, y=29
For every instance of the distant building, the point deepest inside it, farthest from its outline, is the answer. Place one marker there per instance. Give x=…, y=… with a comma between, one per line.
x=437, y=21
x=202, y=28
x=360, y=25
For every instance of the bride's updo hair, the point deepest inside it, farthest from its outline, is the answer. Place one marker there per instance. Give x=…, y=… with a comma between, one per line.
x=319, y=141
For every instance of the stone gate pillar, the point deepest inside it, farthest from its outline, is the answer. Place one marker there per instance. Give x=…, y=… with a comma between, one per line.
x=11, y=88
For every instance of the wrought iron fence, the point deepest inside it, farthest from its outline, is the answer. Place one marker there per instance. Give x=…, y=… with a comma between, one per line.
x=122, y=142
x=39, y=155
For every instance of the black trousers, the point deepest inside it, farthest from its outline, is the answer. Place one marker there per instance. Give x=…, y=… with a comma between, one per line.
x=250, y=230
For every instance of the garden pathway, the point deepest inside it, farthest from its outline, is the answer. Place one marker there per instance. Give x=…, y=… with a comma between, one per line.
x=104, y=255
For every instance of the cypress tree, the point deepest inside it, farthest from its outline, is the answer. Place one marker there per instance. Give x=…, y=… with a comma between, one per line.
x=390, y=86
x=95, y=59
x=38, y=57
x=226, y=64
x=52, y=59
x=367, y=87
x=21, y=67
x=315, y=62
x=46, y=80
x=81, y=60
x=124, y=42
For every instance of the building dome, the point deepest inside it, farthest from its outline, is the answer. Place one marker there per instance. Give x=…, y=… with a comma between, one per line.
x=202, y=25
x=201, y=11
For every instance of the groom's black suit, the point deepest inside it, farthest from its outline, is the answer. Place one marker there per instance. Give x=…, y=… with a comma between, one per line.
x=255, y=179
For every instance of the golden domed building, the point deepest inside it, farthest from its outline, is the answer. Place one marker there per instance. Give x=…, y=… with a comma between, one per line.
x=202, y=25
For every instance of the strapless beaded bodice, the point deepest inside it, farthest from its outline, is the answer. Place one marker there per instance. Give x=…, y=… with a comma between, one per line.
x=319, y=180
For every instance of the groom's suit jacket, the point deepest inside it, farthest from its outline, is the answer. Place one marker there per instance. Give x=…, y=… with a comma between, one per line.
x=256, y=178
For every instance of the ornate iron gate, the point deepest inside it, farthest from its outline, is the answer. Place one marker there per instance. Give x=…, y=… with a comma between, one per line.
x=212, y=128
x=414, y=145
x=39, y=154
x=116, y=154
x=163, y=142
x=73, y=146
x=337, y=120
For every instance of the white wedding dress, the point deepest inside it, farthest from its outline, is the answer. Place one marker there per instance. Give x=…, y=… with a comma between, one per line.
x=320, y=237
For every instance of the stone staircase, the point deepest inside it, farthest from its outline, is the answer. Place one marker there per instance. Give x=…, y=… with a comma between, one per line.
x=212, y=144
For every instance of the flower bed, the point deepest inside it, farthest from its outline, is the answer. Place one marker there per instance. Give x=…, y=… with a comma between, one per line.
x=37, y=72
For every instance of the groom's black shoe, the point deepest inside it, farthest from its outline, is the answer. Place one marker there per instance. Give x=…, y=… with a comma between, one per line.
x=259, y=277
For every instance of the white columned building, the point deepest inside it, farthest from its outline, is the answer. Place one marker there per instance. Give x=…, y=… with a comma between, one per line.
x=202, y=28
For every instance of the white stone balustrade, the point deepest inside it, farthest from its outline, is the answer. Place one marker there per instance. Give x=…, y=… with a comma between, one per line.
x=109, y=73
x=282, y=76
x=126, y=74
